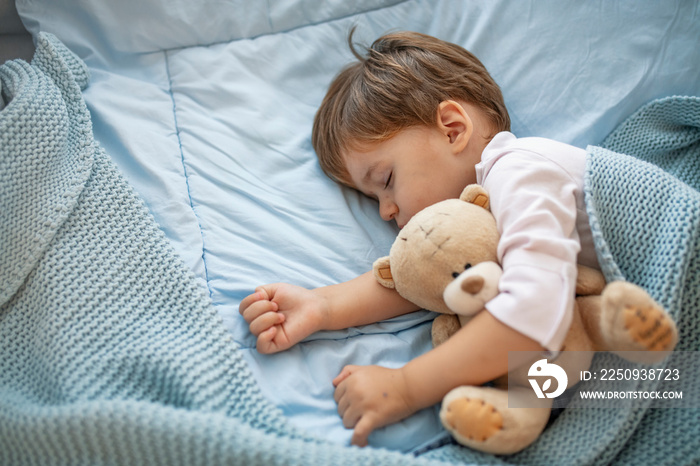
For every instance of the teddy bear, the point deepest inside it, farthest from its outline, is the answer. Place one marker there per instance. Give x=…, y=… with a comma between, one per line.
x=445, y=260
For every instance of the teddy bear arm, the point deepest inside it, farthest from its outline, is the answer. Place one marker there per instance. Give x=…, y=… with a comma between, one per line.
x=444, y=326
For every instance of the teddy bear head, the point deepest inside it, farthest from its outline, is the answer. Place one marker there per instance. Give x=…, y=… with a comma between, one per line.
x=437, y=245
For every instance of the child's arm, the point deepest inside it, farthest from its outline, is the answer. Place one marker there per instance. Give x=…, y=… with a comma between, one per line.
x=370, y=397
x=281, y=315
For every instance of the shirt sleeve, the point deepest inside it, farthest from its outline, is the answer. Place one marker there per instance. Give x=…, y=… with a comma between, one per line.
x=533, y=200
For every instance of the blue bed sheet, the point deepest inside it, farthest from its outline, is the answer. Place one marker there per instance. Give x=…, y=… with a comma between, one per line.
x=206, y=107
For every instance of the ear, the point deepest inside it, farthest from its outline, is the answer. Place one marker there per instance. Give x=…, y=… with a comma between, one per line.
x=475, y=194
x=382, y=272
x=455, y=123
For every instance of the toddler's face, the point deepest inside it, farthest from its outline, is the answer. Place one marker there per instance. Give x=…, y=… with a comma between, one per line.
x=408, y=172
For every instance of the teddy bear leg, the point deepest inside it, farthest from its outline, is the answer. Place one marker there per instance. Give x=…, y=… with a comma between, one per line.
x=590, y=313
x=630, y=320
x=479, y=418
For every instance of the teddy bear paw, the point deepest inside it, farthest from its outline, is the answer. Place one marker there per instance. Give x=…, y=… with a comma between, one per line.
x=473, y=419
x=650, y=328
x=479, y=418
x=636, y=322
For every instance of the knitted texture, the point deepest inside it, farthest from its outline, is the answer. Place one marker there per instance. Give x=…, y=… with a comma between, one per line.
x=645, y=216
x=110, y=353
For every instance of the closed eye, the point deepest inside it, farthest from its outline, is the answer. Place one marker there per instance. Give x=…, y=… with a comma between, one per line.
x=388, y=180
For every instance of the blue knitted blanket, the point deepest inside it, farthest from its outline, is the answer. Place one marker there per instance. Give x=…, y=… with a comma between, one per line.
x=111, y=354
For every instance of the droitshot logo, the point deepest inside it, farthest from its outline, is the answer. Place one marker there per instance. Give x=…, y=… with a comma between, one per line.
x=552, y=371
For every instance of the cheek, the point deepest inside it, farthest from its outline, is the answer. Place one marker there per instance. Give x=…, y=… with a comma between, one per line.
x=423, y=191
x=416, y=202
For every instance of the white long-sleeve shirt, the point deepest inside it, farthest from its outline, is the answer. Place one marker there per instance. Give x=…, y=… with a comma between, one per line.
x=536, y=191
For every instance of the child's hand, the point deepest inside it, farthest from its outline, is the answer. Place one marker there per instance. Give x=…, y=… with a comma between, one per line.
x=370, y=397
x=281, y=315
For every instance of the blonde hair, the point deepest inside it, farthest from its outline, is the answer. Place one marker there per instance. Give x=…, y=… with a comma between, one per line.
x=399, y=84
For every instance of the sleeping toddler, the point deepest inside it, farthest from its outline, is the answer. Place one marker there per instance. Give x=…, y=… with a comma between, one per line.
x=410, y=124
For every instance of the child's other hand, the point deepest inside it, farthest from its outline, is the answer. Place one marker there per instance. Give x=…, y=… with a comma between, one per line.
x=370, y=397
x=281, y=315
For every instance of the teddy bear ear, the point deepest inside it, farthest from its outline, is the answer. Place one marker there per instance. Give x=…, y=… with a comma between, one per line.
x=475, y=194
x=382, y=272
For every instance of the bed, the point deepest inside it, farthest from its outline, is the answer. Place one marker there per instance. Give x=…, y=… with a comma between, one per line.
x=201, y=112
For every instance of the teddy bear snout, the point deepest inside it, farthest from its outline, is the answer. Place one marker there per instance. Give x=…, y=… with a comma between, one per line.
x=472, y=289
x=472, y=285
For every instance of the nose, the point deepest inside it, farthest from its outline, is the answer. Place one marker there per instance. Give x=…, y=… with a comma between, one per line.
x=472, y=285
x=388, y=210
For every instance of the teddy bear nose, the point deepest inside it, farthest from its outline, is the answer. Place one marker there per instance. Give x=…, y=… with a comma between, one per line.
x=472, y=285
